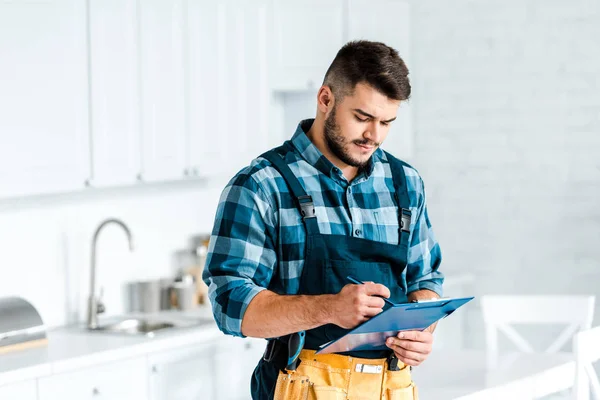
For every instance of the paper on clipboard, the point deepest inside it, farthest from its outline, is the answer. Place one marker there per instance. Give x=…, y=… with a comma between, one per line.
x=371, y=334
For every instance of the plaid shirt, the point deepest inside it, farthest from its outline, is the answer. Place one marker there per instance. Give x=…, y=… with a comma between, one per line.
x=258, y=239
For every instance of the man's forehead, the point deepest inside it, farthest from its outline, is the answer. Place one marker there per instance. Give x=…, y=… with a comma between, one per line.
x=370, y=100
x=380, y=110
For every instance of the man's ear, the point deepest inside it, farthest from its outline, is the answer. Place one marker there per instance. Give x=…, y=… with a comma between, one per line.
x=325, y=99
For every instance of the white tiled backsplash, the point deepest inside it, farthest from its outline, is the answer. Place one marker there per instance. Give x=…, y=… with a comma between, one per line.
x=45, y=248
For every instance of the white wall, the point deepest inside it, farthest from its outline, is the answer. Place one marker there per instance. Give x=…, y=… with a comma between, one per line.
x=507, y=120
x=45, y=243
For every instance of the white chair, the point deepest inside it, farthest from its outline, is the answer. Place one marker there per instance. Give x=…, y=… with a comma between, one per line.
x=587, y=351
x=500, y=311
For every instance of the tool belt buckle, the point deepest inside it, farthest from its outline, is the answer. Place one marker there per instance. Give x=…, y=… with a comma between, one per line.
x=392, y=362
x=270, y=351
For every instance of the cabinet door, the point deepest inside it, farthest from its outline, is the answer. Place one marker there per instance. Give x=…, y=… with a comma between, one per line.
x=229, y=92
x=44, y=132
x=183, y=374
x=114, y=86
x=163, y=91
x=22, y=391
x=123, y=380
x=306, y=37
x=387, y=22
x=236, y=377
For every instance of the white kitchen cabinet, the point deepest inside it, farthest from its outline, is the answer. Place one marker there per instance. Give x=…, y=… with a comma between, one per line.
x=163, y=89
x=306, y=35
x=114, y=92
x=183, y=374
x=237, y=358
x=387, y=21
x=26, y=390
x=44, y=130
x=122, y=380
x=228, y=87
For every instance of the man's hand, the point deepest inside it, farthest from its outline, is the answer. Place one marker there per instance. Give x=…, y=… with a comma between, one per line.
x=357, y=303
x=411, y=347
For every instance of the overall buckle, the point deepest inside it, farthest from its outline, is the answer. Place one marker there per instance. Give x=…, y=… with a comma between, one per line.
x=307, y=207
x=405, y=219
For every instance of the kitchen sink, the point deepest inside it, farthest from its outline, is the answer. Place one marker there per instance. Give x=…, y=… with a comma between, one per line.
x=147, y=326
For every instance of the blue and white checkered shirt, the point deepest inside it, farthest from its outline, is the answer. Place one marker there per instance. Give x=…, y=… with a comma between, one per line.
x=258, y=239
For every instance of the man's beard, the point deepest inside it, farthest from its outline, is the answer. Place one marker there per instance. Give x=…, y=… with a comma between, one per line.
x=337, y=144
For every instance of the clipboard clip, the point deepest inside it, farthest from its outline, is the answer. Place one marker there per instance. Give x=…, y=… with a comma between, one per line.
x=428, y=300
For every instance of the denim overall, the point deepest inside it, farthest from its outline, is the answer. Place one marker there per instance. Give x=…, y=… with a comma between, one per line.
x=331, y=258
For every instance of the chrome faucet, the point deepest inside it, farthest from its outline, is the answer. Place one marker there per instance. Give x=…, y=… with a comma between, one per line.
x=95, y=305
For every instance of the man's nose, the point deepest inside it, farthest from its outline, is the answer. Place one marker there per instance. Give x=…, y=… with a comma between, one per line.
x=374, y=132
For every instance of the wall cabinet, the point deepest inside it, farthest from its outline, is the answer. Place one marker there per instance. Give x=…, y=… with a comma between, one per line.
x=162, y=97
x=305, y=38
x=26, y=390
x=109, y=93
x=44, y=126
x=114, y=92
x=228, y=87
x=123, y=380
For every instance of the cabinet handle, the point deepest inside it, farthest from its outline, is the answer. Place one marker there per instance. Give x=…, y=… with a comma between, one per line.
x=140, y=177
x=186, y=172
x=196, y=172
x=154, y=369
x=95, y=391
x=88, y=182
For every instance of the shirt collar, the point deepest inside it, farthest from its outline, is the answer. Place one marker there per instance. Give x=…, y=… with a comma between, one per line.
x=311, y=154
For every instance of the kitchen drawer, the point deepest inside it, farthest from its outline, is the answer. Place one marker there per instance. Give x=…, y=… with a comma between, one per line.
x=123, y=380
x=26, y=390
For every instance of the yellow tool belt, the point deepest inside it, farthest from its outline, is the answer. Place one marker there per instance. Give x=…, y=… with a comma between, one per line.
x=337, y=377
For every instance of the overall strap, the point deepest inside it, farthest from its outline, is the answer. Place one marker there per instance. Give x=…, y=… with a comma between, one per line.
x=304, y=201
x=402, y=200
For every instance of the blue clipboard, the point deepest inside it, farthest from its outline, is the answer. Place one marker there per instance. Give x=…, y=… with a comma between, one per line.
x=371, y=334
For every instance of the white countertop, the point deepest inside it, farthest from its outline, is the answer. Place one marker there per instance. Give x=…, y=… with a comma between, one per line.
x=73, y=347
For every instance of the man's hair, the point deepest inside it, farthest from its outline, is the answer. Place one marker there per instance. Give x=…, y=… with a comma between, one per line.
x=373, y=63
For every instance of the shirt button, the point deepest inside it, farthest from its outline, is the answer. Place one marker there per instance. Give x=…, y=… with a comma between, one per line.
x=357, y=232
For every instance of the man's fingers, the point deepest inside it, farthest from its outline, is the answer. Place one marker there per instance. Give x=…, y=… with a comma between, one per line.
x=372, y=311
x=408, y=357
x=409, y=345
x=417, y=336
x=377, y=289
x=409, y=361
x=374, y=302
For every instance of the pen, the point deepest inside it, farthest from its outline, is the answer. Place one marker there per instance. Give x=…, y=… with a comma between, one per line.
x=354, y=280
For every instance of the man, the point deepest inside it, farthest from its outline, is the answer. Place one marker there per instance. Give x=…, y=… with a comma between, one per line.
x=328, y=204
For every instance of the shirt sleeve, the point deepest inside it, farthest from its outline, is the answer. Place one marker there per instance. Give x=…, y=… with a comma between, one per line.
x=424, y=254
x=241, y=255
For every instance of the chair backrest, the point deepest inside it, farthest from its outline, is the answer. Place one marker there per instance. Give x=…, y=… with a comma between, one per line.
x=587, y=351
x=500, y=311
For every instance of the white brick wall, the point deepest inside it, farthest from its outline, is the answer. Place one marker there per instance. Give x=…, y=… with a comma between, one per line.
x=507, y=103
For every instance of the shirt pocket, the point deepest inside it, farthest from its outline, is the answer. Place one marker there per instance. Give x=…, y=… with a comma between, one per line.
x=386, y=226
x=377, y=228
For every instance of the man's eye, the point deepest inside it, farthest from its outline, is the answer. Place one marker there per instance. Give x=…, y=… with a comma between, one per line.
x=360, y=119
x=384, y=123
